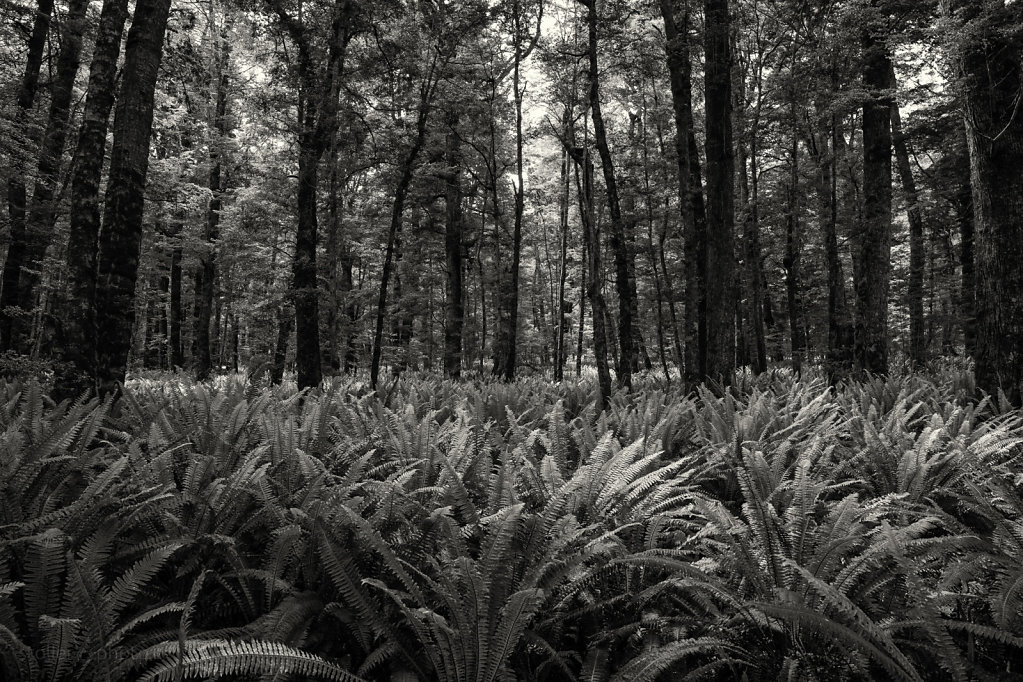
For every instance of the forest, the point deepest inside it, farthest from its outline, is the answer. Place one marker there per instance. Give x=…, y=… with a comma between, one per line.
x=493, y=340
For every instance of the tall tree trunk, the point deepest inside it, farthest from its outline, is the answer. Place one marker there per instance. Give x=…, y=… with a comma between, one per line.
x=747, y=150
x=317, y=115
x=917, y=255
x=42, y=212
x=991, y=79
x=564, y=307
x=454, y=310
x=207, y=274
x=873, y=247
x=332, y=351
x=840, y=328
x=720, y=284
x=397, y=214
x=121, y=239
x=793, y=252
x=505, y=348
x=689, y=188
x=624, y=275
x=76, y=319
x=16, y=190
x=591, y=245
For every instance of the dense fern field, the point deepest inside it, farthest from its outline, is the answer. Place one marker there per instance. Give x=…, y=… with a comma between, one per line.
x=779, y=530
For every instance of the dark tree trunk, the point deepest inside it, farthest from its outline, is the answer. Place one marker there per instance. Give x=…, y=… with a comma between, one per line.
x=840, y=327
x=591, y=245
x=750, y=183
x=76, y=318
x=690, y=188
x=564, y=307
x=303, y=271
x=720, y=291
x=793, y=254
x=397, y=214
x=991, y=80
x=917, y=255
x=873, y=248
x=454, y=309
x=121, y=239
x=208, y=260
x=317, y=117
x=624, y=275
x=506, y=346
x=42, y=213
x=16, y=190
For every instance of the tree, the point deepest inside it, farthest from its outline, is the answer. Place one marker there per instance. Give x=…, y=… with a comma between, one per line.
x=506, y=342
x=121, y=238
x=873, y=245
x=624, y=275
x=719, y=285
x=985, y=45
x=28, y=247
x=917, y=255
x=319, y=86
x=76, y=319
x=406, y=170
x=690, y=187
x=17, y=198
x=207, y=272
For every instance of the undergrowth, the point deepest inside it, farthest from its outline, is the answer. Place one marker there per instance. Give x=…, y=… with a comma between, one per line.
x=781, y=529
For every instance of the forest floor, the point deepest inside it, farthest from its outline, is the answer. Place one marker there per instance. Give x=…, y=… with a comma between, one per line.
x=782, y=529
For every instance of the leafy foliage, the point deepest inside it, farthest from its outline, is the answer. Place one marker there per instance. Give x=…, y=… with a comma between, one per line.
x=487, y=532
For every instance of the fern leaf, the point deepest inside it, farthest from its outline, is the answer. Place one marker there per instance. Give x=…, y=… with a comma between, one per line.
x=213, y=659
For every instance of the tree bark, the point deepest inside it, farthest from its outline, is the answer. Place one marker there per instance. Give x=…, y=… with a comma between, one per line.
x=873, y=247
x=720, y=291
x=691, y=202
x=121, y=239
x=77, y=321
x=17, y=198
x=991, y=78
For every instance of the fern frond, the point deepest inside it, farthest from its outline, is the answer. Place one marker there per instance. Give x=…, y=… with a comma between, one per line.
x=213, y=659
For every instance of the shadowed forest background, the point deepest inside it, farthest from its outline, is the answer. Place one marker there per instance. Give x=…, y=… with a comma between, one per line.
x=494, y=340
x=512, y=187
